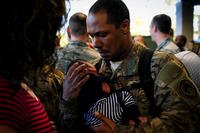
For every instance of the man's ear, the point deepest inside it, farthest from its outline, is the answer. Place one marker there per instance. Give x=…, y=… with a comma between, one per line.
x=68, y=32
x=125, y=26
x=155, y=28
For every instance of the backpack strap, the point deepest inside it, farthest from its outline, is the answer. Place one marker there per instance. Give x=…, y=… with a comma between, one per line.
x=144, y=66
x=147, y=83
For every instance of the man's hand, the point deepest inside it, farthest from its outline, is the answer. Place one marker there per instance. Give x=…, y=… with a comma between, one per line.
x=75, y=78
x=91, y=68
x=108, y=125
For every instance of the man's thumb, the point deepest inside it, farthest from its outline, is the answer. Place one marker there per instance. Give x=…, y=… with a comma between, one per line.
x=106, y=121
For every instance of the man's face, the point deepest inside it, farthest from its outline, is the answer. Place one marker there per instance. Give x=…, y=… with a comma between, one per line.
x=107, y=39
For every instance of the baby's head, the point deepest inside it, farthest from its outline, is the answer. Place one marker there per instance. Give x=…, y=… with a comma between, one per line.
x=94, y=89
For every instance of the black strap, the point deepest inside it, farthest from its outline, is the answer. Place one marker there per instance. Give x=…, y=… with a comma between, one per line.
x=98, y=65
x=144, y=66
x=147, y=83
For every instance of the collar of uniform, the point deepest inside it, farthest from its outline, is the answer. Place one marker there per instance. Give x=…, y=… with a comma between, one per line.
x=129, y=65
x=163, y=43
x=77, y=43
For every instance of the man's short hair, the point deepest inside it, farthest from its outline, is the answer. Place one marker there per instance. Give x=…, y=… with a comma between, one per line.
x=77, y=24
x=163, y=22
x=116, y=10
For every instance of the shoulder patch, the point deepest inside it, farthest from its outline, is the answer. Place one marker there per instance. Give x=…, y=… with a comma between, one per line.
x=187, y=89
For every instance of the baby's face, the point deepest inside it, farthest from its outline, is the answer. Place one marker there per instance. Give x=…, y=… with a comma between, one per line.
x=105, y=87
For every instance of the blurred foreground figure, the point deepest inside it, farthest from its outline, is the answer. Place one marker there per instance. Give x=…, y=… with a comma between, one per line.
x=30, y=35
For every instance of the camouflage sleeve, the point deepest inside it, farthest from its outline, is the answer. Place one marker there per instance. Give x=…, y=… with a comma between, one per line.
x=178, y=99
x=63, y=60
x=68, y=115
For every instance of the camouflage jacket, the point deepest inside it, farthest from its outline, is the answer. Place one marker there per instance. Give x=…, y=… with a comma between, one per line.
x=174, y=92
x=168, y=46
x=48, y=86
x=73, y=51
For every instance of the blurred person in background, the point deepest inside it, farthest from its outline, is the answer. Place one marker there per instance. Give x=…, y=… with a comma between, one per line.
x=78, y=46
x=181, y=41
x=161, y=33
x=139, y=39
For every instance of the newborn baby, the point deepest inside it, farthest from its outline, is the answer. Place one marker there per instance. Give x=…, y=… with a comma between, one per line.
x=96, y=96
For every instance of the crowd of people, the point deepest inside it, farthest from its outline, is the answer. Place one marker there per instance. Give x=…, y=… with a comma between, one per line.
x=102, y=81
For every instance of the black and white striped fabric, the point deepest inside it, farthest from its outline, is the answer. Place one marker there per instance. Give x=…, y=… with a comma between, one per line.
x=110, y=107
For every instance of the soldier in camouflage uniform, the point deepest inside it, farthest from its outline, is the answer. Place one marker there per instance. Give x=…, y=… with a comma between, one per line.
x=73, y=51
x=77, y=48
x=160, y=33
x=171, y=82
x=175, y=94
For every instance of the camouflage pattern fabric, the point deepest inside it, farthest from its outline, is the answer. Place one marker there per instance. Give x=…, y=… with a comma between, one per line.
x=174, y=92
x=47, y=89
x=73, y=51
